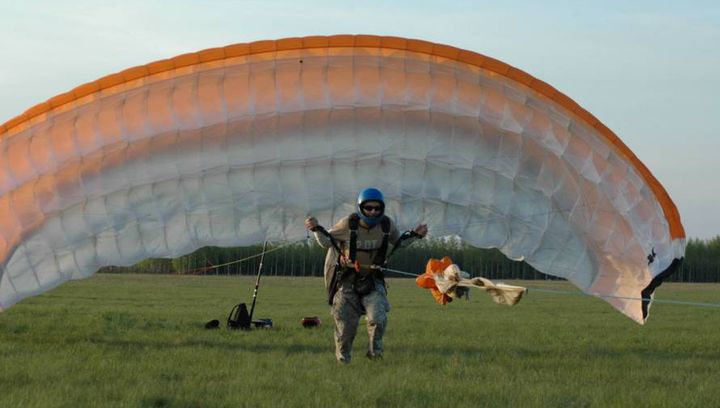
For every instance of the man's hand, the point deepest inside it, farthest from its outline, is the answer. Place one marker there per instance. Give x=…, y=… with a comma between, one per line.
x=311, y=223
x=421, y=230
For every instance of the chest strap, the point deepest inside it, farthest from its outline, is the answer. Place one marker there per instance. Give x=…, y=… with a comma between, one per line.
x=353, y=223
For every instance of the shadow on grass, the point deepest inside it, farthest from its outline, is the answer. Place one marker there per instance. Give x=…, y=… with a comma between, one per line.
x=219, y=344
x=542, y=353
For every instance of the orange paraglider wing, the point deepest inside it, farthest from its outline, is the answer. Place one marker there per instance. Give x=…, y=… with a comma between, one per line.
x=228, y=147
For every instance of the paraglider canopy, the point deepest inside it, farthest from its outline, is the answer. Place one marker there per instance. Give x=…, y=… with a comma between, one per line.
x=236, y=145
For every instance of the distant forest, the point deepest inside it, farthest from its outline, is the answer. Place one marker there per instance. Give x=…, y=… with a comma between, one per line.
x=306, y=258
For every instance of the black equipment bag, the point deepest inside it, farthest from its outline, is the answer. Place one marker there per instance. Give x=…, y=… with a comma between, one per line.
x=239, y=317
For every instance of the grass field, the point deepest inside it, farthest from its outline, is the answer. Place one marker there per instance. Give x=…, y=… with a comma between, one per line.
x=139, y=341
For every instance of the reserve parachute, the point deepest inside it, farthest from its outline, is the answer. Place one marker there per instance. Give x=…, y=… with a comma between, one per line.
x=236, y=145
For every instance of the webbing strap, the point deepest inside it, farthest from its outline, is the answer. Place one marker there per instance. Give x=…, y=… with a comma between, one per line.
x=405, y=236
x=353, y=223
x=380, y=255
x=333, y=242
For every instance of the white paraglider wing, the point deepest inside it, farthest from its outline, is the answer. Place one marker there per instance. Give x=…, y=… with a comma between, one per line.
x=237, y=145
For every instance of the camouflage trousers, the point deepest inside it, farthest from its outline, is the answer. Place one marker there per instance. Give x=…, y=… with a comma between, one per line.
x=347, y=309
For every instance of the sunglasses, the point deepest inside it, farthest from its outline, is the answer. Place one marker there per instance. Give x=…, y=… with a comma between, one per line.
x=372, y=208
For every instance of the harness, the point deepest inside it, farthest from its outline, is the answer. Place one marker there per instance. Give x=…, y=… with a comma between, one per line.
x=379, y=258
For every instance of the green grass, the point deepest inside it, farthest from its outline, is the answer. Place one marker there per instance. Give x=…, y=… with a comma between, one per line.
x=138, y=341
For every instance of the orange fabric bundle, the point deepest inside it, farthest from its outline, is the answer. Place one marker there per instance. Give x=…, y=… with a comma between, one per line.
x=427, y=280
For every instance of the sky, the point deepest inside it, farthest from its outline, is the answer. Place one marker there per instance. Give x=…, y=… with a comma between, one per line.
x=649, y=70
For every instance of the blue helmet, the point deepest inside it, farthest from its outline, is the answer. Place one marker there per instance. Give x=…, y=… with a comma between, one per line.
x=370, y=194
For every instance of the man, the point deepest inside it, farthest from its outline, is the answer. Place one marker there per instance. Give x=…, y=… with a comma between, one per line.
x=358, y=246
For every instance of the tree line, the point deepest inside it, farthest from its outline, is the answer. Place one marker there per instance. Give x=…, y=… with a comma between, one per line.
x=701, y=263
x=306, y=258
